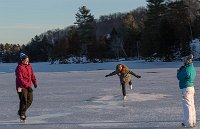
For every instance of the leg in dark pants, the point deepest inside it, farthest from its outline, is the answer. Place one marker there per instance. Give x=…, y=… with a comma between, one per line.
x=130, y=83
x=26, y=99
x=123, y=89
x=29, y=99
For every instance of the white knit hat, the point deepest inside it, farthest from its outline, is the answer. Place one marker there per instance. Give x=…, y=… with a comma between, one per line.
x=188, y=59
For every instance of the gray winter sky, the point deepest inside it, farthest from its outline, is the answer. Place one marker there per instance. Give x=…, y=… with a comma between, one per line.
x=21, y=20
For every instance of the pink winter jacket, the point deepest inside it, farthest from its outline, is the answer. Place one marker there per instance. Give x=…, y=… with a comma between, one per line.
x=24, y=76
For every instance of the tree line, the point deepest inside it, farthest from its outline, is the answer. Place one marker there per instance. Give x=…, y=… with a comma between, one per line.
x=163, y=29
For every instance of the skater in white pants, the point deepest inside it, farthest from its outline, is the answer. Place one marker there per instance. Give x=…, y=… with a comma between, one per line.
x=189, y=116
x=186, y=75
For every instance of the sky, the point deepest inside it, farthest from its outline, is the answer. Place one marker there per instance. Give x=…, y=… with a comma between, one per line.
x=21, y=20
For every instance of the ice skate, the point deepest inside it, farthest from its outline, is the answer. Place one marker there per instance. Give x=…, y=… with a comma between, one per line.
x=183, y=125
x=131, y=87
x=22, y=119
x=124, y=97
x=192, y=126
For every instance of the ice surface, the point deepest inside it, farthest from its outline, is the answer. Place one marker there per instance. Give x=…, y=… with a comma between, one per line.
x=78, y=96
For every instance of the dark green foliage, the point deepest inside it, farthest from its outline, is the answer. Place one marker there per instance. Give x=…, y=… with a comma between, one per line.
x=85, y=22
x=169, y=28
x=38, y=49
x=151, y=40
x=74, y=42
x=86, y=30
x=9, y=52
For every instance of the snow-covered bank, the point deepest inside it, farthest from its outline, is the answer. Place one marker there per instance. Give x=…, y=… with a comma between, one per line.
x=46, y=67
x=195, y=48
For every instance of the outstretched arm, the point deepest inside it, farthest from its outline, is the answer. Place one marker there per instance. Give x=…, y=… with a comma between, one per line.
x=137, y=76
x=111, y=74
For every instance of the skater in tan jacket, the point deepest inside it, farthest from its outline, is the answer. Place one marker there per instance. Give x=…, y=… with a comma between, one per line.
x=125, y=77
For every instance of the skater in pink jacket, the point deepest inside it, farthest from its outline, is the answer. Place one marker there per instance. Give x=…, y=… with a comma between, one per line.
x=24, y=79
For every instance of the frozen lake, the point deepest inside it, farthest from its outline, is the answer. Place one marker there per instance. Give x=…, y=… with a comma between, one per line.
x=78, y=96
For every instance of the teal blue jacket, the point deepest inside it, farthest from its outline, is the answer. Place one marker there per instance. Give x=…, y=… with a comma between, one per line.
x=186, y=76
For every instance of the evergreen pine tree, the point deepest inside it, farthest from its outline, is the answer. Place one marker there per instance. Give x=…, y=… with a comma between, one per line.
x=86, y=28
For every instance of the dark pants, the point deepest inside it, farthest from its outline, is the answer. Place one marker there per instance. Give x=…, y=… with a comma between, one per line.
x=26, y=98
x=124, y=88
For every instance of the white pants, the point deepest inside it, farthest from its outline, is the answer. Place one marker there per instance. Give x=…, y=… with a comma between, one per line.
x=189, y=113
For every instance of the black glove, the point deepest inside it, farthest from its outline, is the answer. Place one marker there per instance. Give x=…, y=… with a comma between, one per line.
x=106, y=76
x=138, y=76
x=181, y=68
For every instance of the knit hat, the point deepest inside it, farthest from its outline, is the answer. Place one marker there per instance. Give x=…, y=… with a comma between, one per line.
x=23, y=56
x=188, y=59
